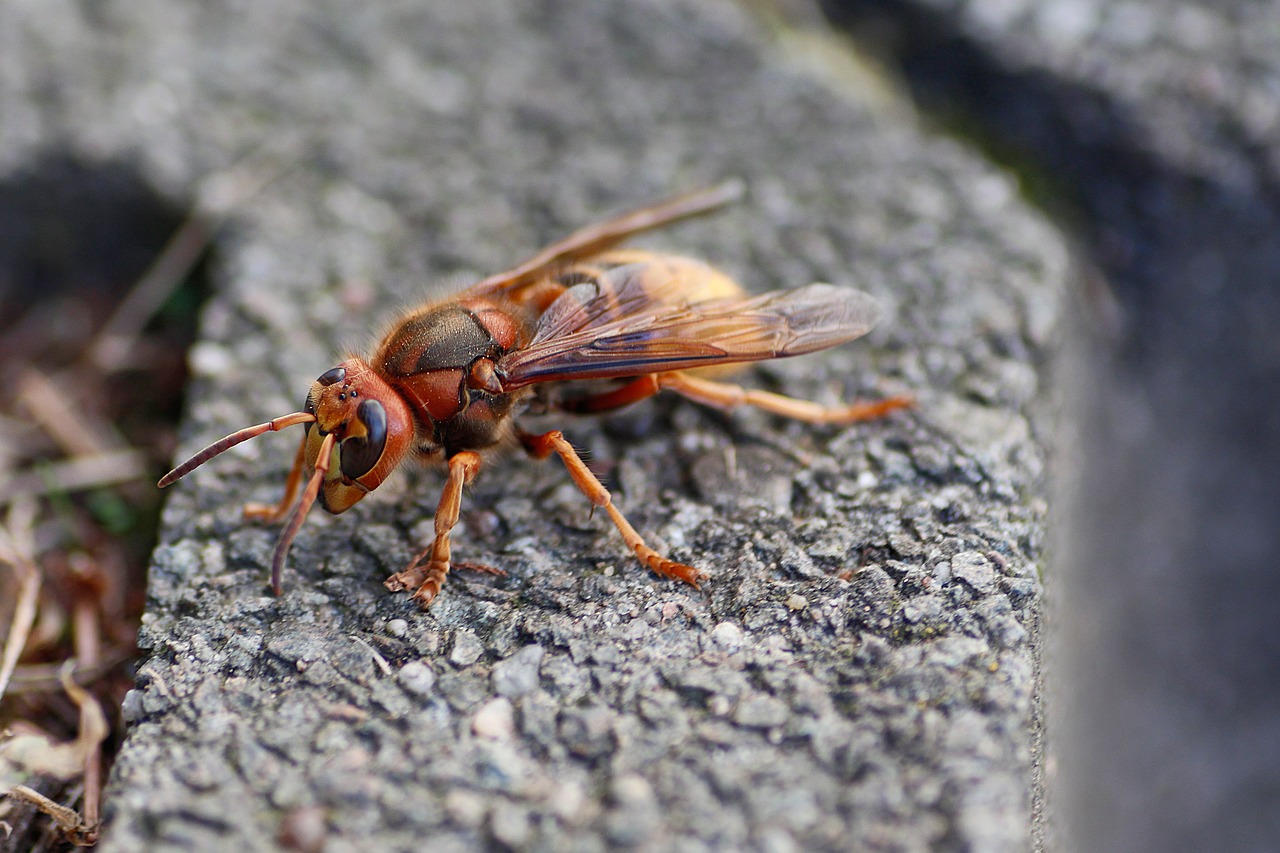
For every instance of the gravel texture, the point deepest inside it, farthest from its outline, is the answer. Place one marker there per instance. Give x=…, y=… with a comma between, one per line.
x=862, y=670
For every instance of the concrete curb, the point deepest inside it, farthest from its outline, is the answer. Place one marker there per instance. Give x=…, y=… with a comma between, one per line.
x=862, y=670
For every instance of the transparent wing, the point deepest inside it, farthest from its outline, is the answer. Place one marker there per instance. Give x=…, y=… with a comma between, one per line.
x=615, y=327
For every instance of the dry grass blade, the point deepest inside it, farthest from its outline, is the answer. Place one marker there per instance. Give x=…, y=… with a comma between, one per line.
x=17, y=549
x=383, y=666
x=67, y=819
x=93, y=723
x=76, y=430
x=88, y=645
x=78, y=474
x=40, y=756
x=43, y=677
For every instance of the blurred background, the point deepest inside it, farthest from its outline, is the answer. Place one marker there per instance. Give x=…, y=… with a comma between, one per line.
x=100, y=285
x=1151, y=131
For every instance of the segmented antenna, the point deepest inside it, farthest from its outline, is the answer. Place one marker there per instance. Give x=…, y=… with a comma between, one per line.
x=224, y=444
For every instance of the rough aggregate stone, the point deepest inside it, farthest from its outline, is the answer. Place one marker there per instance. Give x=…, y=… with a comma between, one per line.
x=518, y=675
x=417, y=677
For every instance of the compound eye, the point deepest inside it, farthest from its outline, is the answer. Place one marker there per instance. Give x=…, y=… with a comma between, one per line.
x=332, y=376
x=310, y=408
x=361, y=452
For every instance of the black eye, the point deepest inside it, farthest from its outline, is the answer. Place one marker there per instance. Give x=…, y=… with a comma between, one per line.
x=310, y=408
x=332, y=375
x=361, y=453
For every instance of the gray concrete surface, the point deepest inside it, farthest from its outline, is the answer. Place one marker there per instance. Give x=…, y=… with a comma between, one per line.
x=862, y=671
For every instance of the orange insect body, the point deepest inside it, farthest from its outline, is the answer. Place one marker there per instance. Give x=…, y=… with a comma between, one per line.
x=448, y=378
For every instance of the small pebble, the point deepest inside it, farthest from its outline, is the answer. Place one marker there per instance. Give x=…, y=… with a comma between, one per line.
x=417, y=678
x=466, y=649
x=797, y=602
x=761, y=712
x=568, y=800
x=496, y=720
x=303, y=829
x=727, y=636
x=635, y=813
x=510, y=824
x=397, y=627
x=976, y=570
x=466, y=808
x=131, y=708
x=518, y=674
x=631, y=790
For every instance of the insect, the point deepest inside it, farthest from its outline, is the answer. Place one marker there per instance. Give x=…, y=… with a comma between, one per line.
x=582, y=327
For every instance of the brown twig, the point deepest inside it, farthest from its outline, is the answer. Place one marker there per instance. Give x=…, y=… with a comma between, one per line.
x=67, y=819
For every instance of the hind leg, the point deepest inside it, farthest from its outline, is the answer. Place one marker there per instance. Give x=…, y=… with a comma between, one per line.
x=726, y=395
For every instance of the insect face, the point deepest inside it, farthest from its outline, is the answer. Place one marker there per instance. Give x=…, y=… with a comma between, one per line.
x=372, y=428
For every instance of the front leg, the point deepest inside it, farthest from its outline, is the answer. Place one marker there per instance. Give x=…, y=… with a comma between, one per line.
x=427, y=571
x=542, y=446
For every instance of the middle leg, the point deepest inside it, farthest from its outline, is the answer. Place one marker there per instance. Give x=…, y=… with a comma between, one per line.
x=272, y=513
x=429, y=568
